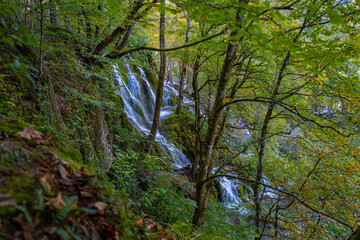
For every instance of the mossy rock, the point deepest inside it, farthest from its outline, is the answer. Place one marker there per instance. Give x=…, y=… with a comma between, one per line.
x=122, y=71
x=151, y=77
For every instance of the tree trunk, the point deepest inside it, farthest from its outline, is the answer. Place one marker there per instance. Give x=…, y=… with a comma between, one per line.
x=97, y=27
x=53, y=13
x=205, y=168
x=183, y=71
x=181, y=88
x=41, y=39
x=160, y=87
x=264, y=132
x=125, y=39
x=201, y=194
x=197, y=156
x=88, y=30
x=129, y=20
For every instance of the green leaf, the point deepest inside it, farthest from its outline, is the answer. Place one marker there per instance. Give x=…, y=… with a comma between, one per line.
x=161, y=8
x=26, y=213
x=267, y=4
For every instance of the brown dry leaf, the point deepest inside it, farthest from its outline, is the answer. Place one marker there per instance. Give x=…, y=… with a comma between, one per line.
x=151, y=225
x=8, y=203
x=140, y=222
x=168, y=238
x=63, y=172
x=117, y=236
x=101, y=206
x=84, y=172
x=48, y=139
x=30, y=133
x=57, y=202
x=48, y=181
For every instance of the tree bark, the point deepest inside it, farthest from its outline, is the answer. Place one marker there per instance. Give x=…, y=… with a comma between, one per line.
x=53, y=13
x=130, y=20
x=126, y=38
x=183, y=71
x=196, y=94
x=205, y=168
x=160, y=87
x=41, y=38
x=201, y=194
x=97, y=27
x=262, y=146
x=181, y=88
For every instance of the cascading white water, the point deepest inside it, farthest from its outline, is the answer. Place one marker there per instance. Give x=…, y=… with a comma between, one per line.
x=139, y=100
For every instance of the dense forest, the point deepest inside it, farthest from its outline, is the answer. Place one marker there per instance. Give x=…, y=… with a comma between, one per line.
x=179, y=119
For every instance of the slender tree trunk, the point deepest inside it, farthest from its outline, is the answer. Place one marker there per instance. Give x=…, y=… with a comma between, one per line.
x=205, y=168
x=214, y=119
x=126, y=38
x=97, y=27
x=183, y=72
x=264, y=132
x=88, y=29
x=197, y=156
x=130, y=20
x=276, y=223
x=41, y=38
x=169, y=72
x=53, y=13
x=160, y=87
x=181, y=88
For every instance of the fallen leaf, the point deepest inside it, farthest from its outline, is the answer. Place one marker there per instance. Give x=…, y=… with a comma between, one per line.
x=65, y=182
x=48, y=181
x=57, y=202
x=101, y=206
x=30, y=133
x=140, y=223
x=8, y=203
x=48, y=139
x=63, y=172
x=151, y=225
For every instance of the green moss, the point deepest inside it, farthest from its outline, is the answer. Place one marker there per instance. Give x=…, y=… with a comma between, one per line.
x=151, y=77
x=6, y=211
x=12, y=126
x=22, y=187
x=74, y=154
x=122, y=70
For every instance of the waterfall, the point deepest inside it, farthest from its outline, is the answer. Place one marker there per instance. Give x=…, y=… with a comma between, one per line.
x=139, y=104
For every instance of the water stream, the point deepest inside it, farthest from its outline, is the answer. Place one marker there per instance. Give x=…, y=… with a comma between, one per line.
x=139, y=100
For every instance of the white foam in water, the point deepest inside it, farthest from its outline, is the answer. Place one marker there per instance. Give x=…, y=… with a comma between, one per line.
x=139, y=100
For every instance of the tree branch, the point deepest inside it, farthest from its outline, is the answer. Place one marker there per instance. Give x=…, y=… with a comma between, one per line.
x=283, y=192
x=121, y=54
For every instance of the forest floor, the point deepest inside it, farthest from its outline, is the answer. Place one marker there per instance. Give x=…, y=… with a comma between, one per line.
x=46, y=193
